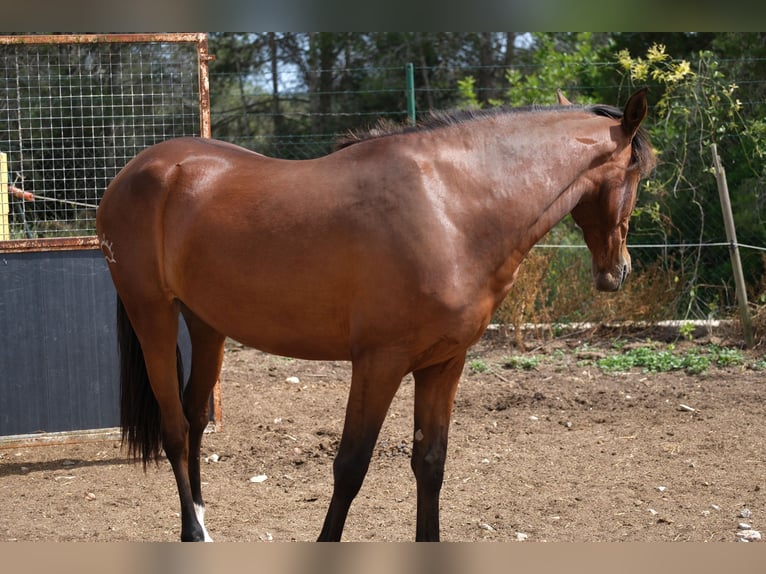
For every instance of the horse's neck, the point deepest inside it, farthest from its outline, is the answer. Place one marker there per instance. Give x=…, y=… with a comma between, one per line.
x=533, y=180
x=529, y=179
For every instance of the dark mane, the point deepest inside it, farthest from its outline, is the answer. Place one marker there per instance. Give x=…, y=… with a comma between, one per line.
x=435, y=119
x=643, y=153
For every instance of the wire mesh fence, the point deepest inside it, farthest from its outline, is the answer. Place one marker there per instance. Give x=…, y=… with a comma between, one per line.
x=74, y=110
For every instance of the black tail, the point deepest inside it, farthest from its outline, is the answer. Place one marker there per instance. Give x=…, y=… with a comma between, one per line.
x=140, y=418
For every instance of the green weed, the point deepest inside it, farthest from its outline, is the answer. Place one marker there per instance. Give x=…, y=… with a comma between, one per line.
x=478, y=366
x=655, y=360
x=726, y=356
x=524, y=363
x=687, y=331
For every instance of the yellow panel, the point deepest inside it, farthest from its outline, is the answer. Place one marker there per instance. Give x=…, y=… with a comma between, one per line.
x=5, y=228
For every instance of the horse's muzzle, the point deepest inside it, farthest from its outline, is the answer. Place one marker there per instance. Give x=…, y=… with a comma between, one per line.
x=612, y=280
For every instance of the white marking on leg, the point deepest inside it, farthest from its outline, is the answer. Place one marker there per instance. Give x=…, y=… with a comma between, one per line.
x=199, y=510
x=418, y=435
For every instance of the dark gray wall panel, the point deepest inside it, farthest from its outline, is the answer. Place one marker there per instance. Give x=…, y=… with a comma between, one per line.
x=58, y=349
x=58, y=353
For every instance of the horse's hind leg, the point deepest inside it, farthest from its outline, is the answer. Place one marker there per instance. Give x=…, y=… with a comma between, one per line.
x=375, y=379
x=156, y=326
x=435, y=389
x=207, y=358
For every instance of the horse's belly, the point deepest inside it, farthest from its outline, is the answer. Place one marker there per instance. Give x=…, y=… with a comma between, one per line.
x=301, y=342
x=306, y=328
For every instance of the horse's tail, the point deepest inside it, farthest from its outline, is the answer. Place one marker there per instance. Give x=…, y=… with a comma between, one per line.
x=140, y=418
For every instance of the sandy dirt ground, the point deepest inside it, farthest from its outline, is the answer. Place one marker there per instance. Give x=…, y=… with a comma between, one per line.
x=561, y=451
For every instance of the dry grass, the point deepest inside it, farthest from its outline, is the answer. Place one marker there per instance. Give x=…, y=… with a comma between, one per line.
x=527, y=300
x=759, y=326
x=757, y=297
x=556, y=287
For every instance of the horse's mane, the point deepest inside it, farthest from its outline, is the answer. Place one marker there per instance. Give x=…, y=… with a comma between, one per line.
x=643, y=153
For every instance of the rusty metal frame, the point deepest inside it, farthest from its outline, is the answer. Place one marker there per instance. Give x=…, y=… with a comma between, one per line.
x=203, y=59
x=91, y=242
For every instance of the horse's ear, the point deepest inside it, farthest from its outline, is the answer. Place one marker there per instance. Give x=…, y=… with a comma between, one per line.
x=634, y=113
x=562, y=98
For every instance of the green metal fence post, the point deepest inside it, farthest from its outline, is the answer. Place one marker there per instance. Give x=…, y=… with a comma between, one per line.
x=410, y=72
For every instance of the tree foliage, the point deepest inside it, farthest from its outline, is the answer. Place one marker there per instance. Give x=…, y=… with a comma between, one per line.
x=699, y=104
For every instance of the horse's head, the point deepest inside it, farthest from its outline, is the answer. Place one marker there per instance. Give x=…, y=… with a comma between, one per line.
x=604, y=212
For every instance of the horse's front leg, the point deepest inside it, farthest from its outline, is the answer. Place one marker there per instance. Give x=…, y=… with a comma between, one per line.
x=375, y=378
x=435, y=389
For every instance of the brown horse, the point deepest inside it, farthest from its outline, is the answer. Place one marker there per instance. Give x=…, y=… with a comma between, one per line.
x=392, y=252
